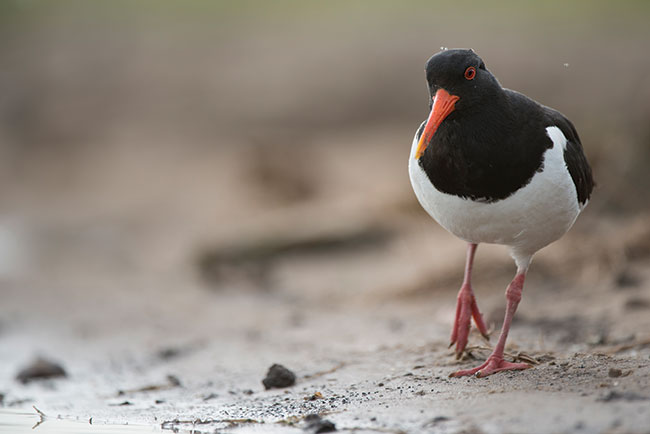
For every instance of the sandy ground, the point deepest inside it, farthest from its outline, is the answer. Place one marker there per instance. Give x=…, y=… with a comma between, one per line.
x=355, y=294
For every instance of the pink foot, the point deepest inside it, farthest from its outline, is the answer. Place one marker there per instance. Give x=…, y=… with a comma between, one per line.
x=466, y=308
x=491, y=366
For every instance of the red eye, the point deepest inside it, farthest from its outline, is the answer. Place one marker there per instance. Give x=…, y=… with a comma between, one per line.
x=470, y=73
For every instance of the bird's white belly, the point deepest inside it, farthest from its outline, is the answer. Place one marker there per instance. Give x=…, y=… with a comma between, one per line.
x=529, y=219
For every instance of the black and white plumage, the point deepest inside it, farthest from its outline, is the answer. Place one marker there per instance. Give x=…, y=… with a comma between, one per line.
x=491, y=165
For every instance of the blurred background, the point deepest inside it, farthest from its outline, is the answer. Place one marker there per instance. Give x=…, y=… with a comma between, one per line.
x=171, y=171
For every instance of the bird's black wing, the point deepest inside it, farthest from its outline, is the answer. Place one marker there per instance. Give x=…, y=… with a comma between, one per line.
x=574, y=157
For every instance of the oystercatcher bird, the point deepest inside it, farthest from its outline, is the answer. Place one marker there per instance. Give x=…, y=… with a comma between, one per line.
x=491, y=165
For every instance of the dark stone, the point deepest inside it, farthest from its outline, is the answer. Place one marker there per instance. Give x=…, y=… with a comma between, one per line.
x=278, y=377
x=436, y=421
x=626, y=279
x=637, y=303
x=317, y=424
x=173, y=381
x=40, y=369
x=121, y=404
x=614, y=372
x=613, y=395
x=169, y=353
x=210, y=396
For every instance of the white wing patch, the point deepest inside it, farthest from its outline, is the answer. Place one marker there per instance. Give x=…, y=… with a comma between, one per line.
x=557, y=137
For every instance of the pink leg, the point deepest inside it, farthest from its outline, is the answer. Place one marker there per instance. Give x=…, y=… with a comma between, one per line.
x=466, y=308
x=495, y=362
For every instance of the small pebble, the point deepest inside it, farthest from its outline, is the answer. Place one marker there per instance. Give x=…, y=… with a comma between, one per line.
x=314, y=397
x=278, y=376
x=614, y=372
x=173, y=381
x=637, y=303
x=210, y=396
x=317, y=424
x=40, y=369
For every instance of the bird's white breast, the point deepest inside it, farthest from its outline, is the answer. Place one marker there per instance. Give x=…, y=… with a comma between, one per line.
x=529, y=219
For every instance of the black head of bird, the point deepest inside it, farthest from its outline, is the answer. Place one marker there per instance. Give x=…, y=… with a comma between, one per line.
x=459, y=85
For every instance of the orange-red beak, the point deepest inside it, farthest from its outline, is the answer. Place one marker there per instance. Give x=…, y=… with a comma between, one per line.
x=443, y=104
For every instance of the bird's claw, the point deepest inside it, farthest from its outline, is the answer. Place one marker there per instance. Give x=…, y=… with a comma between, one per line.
x=491, y=366
x=466, y=309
